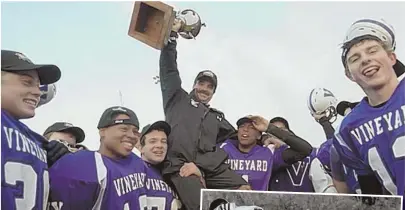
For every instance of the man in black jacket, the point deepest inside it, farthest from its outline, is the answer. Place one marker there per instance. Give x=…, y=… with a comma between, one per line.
x=196, y=130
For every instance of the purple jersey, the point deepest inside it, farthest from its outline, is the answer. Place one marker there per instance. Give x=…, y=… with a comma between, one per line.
x=24, y=175
x=371, y=140
x=294, y=178
x=343, y=173
x=88, y=180
x=160, y=195
x=256, y=166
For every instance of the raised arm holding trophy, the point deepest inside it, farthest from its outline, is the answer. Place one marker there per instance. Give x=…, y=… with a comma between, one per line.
x=197, y=128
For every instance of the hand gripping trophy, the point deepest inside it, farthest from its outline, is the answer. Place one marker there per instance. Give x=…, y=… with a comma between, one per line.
x=152, y=22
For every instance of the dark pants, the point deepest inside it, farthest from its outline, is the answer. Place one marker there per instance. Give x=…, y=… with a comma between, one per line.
x=188, y=188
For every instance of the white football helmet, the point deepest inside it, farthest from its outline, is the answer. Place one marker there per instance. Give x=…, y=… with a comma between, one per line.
x=363, y=28
x=379, y=29
x=48, y=92
x=322, y=101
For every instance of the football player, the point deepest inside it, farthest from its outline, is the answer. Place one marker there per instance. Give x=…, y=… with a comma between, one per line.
x=295, y=177
x=24, y=161
x=345, y=178
x=255, y=163
x=111, y=178
x=66, y=133
x=154, y=149
x=371, y=138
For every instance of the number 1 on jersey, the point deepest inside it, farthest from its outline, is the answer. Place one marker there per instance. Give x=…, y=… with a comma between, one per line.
x=376, y=163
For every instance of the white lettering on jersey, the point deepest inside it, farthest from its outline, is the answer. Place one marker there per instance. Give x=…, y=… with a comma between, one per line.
x=129, y=183
x=21, y=143
x=249, y=165
x=367, y=131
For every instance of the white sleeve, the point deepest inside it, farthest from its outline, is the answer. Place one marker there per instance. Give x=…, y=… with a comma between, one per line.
x=102, y=179
x=321, y=180
x=271, y=147
x=137, y=152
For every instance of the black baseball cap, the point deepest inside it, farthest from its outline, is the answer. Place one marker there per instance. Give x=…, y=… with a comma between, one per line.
x=12, y=61
x=343, y=105
x=156, y=126
x=243, y=120
x=108, y=117
x=207, y=74
x=68, y=128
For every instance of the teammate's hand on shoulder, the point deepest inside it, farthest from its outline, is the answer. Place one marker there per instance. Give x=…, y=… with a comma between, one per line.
x=81, y=147
x=245, y=187
x=189, y=169
x=55, y=149
x=259, y=122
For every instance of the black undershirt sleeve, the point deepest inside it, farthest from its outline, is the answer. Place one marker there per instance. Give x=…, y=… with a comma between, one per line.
x=299, y=148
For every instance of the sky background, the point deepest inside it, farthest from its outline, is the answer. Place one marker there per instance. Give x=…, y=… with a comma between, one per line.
x=267, y=55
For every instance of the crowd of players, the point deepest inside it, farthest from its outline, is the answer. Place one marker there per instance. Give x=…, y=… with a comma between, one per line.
x=196, y=147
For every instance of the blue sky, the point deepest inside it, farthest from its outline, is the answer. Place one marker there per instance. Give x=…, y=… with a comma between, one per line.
x=284, y=49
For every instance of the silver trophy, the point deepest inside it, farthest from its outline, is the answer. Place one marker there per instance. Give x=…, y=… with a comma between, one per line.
x=190, y=23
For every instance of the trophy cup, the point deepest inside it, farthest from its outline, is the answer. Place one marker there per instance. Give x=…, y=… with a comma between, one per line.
x=152, y=23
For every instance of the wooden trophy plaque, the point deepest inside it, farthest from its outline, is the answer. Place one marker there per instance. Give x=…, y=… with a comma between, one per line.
x=151, y=23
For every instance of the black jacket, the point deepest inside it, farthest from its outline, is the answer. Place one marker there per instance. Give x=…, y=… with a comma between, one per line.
x=196, y=128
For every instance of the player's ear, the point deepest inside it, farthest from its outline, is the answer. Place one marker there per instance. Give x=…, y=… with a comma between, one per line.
x=393, y=58
x=101, y=132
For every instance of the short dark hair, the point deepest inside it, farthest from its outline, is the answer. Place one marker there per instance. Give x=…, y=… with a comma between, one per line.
x=143, y=138
x=282, y=120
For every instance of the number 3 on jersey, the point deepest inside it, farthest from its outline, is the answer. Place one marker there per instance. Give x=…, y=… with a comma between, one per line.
x=377, y=164
x=18, y=172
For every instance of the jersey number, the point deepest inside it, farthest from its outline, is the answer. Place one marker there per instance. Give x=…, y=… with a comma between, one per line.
x=154, y=203
x=377, y=164
x=18, y=172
